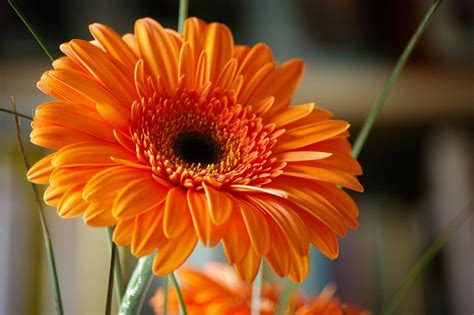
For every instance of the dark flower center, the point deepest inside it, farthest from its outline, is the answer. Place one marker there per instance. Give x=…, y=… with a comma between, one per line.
x=197, y=147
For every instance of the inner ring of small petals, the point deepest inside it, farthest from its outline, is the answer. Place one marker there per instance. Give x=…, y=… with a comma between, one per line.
x=192, y=136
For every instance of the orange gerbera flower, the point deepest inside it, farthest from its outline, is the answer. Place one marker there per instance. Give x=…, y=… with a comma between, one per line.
x=218, y=291
x=177, y=138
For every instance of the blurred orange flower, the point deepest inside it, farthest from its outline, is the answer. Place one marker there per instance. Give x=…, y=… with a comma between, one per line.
x=177, y=138
x=217, y=290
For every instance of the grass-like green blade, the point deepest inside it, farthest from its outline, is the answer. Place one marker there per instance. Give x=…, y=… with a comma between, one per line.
x=182, y=304
x=374, y=112
x=118, y=281
x=15, y=113
x=110, y=285
x=425, y=260
x=32, y=30
x=44, y=225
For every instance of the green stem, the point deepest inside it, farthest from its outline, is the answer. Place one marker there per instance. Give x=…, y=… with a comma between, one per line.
x=15, y=113
x=425, y=260
x=182, y=15
x=257, y=291
x=374, y=112
x=179, y=294
x=110, y=286
x=44, y=226
x=290, y=288
x=118, y=279
x=165, y=301
x=32, y=30
x=137, y=286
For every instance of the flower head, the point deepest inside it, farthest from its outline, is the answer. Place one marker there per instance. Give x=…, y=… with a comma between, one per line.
x=216, y=290
x=177, y=138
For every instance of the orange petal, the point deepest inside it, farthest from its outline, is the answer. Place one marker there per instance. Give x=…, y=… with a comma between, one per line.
x=66, y=63
x=241, y=52
x=125, y=141
x=296, y=156
x=72, y=176
x=131, y=42
x=247, y=268
x=255, y=58
x=89, y=153
x=291, y=114
x=339, y=198
x=187, y=65
x=278, y=256
x=219, y=45
x=117, y=117
x=253, y=189
x=148, y=232
x=114, y=44
x=56, y=137
x=250, y=87
x=75, y=117
x=99, y=214
x=157, y=49
x=321, y=236
x=280, y=84
x=101, y=66
x=175, y=38
x=123, y=232
x=71, y=203
x=341, y=161
x=176, y=215
x=193, y=31
x=308, y=134
x=317, y=115
x=227, y=74
x=138, y=196
x=257, y=227
x=80, y=87
x=174, y=252
x=202, y=75
x=219, y=204
x=299, y=267
x=323, y=174
x=316, y=205
x=52, y=195
x=289, y=222
x=198, y=280
x=236, y=241
x=108, y=183
x=39, y=173
x=208, y=233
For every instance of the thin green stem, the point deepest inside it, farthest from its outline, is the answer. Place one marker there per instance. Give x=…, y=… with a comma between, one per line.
x=182, y=304
x=182, y=15
x=44, y=225
x=32, y=30
x=165, y=301
x=290, y=288
x=110, y=286
x=374, y=112
x=118, y=279
x=425, y=260
x=257, y=291
x=15, y=113
x=137, y=286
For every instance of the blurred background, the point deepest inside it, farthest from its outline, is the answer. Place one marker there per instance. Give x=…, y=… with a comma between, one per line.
x=418, y=161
